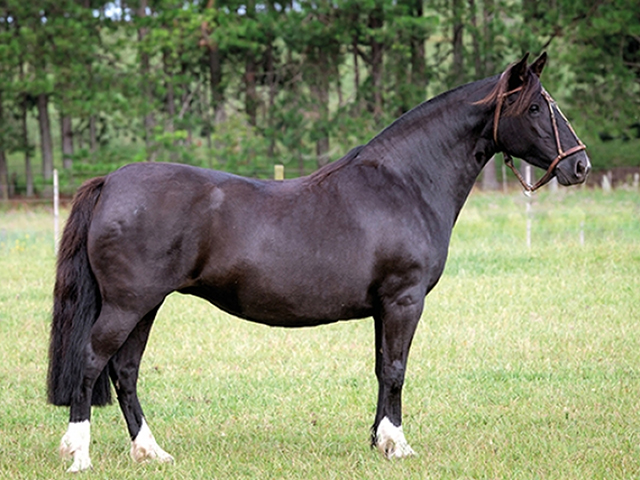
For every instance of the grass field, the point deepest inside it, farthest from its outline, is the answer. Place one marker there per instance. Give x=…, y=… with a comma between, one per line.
x=526, y=364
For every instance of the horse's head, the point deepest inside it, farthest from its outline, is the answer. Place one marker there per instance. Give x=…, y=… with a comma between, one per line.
x=529, y=125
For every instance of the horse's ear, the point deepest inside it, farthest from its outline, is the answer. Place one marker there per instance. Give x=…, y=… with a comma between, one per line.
x=538, y=65
x=517, y=72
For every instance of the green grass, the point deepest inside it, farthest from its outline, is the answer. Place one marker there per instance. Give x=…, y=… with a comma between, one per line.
x=526, y=364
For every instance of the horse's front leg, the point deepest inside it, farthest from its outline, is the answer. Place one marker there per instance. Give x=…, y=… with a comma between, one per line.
x=395, y=326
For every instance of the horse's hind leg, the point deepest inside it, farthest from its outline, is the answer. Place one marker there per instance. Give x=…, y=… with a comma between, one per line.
x=108, y=334
x=123, y=369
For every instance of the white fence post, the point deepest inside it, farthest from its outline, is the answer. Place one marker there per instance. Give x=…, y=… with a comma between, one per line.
x=278, y=172
x=504, y=179
x=527, y=172
x=606, y=182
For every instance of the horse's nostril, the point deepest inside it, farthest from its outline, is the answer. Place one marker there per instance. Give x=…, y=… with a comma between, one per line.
x=582, y=168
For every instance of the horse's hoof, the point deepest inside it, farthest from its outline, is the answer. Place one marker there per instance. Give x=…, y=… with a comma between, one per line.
x=145, y=455
x=80, y=466
x=75, y=445
x=393, y=450
x=391, y=442
x=81, y=459
x=144, y=447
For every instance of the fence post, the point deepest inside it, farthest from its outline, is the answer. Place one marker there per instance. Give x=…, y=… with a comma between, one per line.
x=505, y=189
x=278, y=172
x=527, y=172
x=606, y=182
x=56, y=211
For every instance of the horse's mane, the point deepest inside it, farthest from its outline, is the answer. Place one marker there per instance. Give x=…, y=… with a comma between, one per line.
x=321, y=174
x=530, y=87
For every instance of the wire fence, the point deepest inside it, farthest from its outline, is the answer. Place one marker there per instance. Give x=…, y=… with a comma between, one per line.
x=16, y=186
x=575, y=216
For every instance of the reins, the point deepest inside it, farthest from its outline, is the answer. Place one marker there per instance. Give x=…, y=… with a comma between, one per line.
x=562, y=154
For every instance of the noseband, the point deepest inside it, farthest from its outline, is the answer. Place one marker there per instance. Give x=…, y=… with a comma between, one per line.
x=562, y=154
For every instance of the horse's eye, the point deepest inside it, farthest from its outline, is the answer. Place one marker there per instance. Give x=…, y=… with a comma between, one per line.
x=534, y=108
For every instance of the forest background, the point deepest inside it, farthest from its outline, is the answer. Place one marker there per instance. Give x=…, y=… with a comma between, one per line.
x=89, y=85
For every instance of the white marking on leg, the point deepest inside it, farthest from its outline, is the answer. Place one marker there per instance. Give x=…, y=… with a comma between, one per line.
x=144, y=447
x=391, y=442
x=75, y=444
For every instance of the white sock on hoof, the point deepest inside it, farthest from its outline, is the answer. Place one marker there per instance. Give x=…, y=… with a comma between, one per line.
x=144, y=447
x=75, y=444
x=391, y=442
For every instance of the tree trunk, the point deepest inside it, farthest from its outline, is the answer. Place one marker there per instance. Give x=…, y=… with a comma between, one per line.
x=214, y=62
x=4, y=177
x=488, y=9
x=250, y=94
x=25, y=131
x=46, y=145
x=186, y=99
x=320, y=90
x=208, y=123
x=475, y=41
x=418, y=60
x=145, y=69
x=168, y=85
x=215, y=78
x=4, y=169
x=93, y=137
x=66, y=135
x=530, y=9
x=170, y=103
x=376, y=22
x=322, y=151
x=457, y=44
x=322, y=143
x=490, y=179
x=271, y=82
x=356, y=69
x=25, y=145
x=250, y=74
x=482, y=51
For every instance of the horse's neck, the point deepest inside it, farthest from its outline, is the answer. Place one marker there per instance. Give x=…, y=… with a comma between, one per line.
x=434, y=146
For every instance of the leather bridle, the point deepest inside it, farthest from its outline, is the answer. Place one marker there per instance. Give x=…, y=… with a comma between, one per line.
x=562, y=154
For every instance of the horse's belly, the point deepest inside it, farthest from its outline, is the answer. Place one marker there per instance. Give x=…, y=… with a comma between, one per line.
x=313, y=305
x=288, y=300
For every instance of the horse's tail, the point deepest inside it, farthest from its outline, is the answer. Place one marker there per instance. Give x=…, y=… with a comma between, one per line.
x=76, y=306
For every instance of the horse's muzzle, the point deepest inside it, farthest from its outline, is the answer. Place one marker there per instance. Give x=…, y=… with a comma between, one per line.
x=574, y=169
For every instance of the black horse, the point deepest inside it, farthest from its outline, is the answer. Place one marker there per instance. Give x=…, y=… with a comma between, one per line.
x=365, y=236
